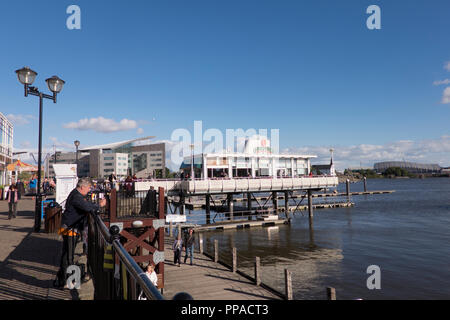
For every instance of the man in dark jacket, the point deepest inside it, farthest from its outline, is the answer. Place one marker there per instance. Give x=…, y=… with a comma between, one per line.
x=73, y=219
x=189, y=244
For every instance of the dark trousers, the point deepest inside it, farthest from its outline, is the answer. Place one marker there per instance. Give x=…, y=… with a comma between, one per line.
x=67, y=257
x=12, y=209
x=177, y=256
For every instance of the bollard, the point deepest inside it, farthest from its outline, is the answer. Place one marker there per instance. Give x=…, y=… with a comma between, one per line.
x=257, y=271
x=216, y=250
x=288, y=284
x=331, y=293
x=348, y=190
x=200, y=242
x=234, y=260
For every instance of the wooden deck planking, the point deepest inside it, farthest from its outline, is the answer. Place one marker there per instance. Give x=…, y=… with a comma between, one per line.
x=207, y=280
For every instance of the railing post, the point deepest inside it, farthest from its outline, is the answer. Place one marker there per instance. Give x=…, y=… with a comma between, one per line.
x=113, y=206
x=257, y=271
x=200, y=242
x=234, y=259
x=216, y=250
x=331, y=293
x=288, y=284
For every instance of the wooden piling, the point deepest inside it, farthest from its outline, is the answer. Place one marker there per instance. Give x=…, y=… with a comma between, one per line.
x=208, y=208
x=275, y=201
x=216, y=250
x=286, y=204
x=310, y=205
x=179, y=231
x=348, y=190
x=288, y=284
x=331, y=293
x=230, y=205
x=170, y=229
x=249, y=205
x=257, y=271
x=234, y=259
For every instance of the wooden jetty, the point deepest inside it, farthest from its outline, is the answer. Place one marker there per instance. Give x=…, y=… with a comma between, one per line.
x=210, y=280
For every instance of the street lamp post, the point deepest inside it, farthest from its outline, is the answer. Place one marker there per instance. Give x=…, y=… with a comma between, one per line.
x=26, y=77
x=76, y=143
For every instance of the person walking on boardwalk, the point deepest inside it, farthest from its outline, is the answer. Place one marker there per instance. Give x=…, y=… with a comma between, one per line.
x=177, y=247
x=13, y=198
x=189, y=244
x=73, y=218
x=33, y=185
x=20, y=188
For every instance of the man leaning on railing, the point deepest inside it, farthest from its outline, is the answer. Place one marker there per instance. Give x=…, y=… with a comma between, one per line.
x=73, y=218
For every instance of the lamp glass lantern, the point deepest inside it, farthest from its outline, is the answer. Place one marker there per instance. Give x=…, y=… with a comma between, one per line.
x=55, y=84
x=26, y=76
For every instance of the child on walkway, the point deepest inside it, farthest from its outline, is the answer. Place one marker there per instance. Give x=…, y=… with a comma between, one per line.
x=177, y=247
x=13, y=198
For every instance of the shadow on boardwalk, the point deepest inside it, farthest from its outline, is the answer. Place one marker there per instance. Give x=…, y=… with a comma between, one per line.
x=29, y=261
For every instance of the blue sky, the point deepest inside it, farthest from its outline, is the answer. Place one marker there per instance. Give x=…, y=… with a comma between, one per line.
x=309, y=68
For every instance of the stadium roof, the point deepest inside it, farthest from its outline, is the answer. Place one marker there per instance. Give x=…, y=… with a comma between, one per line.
x=115, y=145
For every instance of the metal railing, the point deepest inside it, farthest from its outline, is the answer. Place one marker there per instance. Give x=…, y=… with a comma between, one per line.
x=126, y=278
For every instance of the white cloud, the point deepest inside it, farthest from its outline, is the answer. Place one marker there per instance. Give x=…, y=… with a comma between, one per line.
x=101, y=124
x=447, y=66
x=439, y=82
x=140, y=131
x=19, y=119
x=62, y=145
x=446, y=95
x=424, y=151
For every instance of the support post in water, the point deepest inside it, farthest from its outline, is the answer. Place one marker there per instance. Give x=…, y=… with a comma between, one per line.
x=348, y=190
x=275, y=201
x=230, y=205
x=208, y=208
x=216, y=250
x=331, y=293
x=365, y=184
x=286, y=204
x=257, y=271
x=234, y=259
x=249, y=205
x=310, y=206
x=288, y=284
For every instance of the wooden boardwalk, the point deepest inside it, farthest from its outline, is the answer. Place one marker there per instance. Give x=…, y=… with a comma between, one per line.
x=28, y=261
x=207, y=280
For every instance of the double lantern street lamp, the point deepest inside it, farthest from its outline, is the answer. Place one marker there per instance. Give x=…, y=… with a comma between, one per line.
x=26, y=77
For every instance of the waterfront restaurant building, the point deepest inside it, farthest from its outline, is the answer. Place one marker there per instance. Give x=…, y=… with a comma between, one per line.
x=6, y=149
x=257, y=160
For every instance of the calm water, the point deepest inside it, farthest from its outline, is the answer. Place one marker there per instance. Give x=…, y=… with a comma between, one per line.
x=407, y=234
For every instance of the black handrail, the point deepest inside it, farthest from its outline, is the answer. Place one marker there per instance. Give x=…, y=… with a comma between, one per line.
x=112, y=236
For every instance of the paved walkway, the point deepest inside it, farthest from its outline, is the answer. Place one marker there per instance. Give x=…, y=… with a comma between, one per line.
x=207, y=280
x=28, y=260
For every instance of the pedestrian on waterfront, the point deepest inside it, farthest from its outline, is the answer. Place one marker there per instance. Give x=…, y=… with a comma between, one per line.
x=153, y=277
x=33, y=185
x=13, y=198
x=72, y=222
x=46, y=186
x=129, y=186
x=177, y=247
x=189, y=245
x=20, y=188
